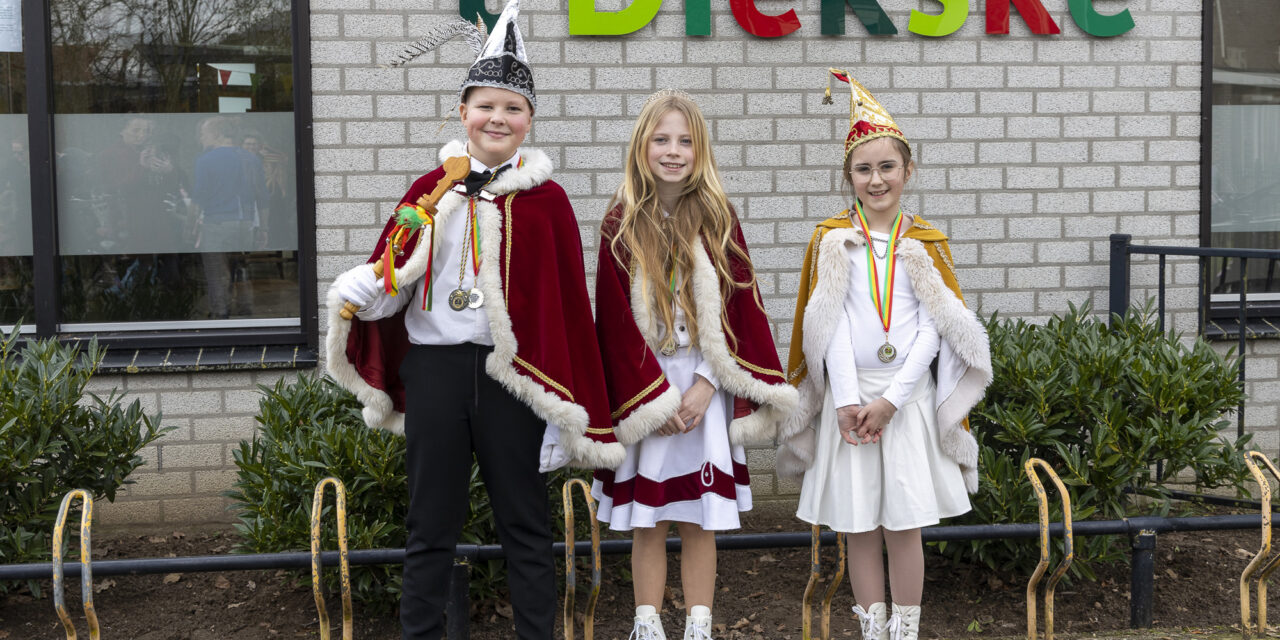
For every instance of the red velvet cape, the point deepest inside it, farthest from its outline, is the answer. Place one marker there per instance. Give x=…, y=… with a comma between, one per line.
x=640, y=397
x=539, y=311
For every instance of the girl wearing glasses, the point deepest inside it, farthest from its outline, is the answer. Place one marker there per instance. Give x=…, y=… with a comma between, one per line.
x=884, y=448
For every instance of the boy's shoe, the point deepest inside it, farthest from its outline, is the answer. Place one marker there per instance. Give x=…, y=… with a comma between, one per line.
x=648, y=626
x=904, y=624
x=697, y=626
x=874, y=620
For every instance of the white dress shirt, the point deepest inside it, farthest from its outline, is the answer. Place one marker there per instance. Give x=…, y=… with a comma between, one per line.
x=442, y=325
x=859, y=333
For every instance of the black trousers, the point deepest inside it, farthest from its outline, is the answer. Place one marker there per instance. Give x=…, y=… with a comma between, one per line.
x=452, y=409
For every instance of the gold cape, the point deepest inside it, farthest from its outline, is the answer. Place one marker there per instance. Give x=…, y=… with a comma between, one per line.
x=935, y=243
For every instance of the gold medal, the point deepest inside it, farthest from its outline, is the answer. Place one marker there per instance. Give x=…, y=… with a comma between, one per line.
x=886, y=352
x=458, y=299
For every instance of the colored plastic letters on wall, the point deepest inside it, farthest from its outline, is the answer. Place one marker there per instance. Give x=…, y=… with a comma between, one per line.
x=697, y=17
x=949, y=21
x=1034, y=13
x=762, y=25
x=1096, y=24
x=869, y=13
x=584, y=20
x=469, y=9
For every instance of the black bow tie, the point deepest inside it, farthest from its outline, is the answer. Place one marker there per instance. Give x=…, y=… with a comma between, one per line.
x=478, y=180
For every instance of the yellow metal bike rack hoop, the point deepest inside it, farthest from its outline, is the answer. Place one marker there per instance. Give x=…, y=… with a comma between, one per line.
x=570, y=575
x=1042, y=500
x=811, y=589
x=86, y=570
x=344, y=569
x=1259, y=567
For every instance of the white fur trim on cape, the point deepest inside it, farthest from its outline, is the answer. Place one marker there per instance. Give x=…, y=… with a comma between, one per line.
x=776, y=400
x=571, y=418
x=378, y=412
x=964, y=368
x=647, y=418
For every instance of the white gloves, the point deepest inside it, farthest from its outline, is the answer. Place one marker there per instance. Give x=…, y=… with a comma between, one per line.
x=359, y=286
x=551, y=456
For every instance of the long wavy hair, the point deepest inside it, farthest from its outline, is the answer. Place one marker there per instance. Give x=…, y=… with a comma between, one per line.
x=662, y=245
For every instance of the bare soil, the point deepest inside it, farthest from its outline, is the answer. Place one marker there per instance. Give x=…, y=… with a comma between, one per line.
x=759, y=597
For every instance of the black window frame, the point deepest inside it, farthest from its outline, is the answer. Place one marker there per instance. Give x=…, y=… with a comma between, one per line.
x=1221, y=318
x=37, y=50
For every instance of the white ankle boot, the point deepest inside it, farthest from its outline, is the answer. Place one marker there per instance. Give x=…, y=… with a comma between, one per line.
x=904, y=624
x=875, y=621
x=697, y=626
x=648, y=625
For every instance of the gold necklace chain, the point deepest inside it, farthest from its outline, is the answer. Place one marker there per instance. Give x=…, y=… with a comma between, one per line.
x=466, y=248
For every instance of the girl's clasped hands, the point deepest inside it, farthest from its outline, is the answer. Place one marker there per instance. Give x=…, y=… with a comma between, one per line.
x=864, y=425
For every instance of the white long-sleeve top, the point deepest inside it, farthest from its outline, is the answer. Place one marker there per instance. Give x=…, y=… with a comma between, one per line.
x=859, y=333
x=442, y=325
x=684, y=339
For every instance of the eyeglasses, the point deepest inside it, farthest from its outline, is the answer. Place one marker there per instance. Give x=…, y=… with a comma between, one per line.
x=887, y=170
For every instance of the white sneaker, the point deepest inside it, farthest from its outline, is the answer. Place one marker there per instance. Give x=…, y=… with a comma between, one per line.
x=874, y=620
x=648, y=625
x=697, y=626
x=905, y=622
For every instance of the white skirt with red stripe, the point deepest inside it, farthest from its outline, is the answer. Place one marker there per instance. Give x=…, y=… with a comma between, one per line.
x=693, y=477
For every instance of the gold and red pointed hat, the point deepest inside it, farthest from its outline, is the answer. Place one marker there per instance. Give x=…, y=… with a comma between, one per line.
x=868, y=119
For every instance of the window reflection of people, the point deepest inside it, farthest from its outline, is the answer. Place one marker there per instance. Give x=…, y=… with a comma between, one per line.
x=15, y=200
x=122, y=172
x=230, y=191
x=15, y=234
x=279, y=232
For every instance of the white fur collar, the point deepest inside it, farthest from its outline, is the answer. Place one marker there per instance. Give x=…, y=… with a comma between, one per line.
x=965, y=358
x=776, y=400
x=536, y=170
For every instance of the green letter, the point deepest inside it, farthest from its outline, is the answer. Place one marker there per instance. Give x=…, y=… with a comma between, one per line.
x=469, y=9
x=952, y=18
x=1096, y=24
x=584, y=20
x=697, y=17
x=869, y=13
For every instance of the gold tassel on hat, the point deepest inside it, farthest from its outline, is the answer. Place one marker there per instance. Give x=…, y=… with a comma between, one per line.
x=868, y=119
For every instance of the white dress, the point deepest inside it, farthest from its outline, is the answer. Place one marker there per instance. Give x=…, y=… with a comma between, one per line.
x=695, y=477
x=904, y=481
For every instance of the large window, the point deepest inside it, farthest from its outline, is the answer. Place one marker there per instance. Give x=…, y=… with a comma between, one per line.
x=173, y=173
x=16, y=284
x=1244, y=147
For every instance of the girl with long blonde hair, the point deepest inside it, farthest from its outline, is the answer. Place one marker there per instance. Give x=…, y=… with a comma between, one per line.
x=690, y=363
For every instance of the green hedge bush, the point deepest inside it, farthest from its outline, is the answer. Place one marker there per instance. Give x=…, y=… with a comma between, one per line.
x=55, y=437
x=311, y=428
x=1101, y=404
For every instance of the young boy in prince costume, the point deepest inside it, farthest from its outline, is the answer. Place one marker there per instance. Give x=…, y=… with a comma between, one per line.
x=472, y=334
x=884, y=449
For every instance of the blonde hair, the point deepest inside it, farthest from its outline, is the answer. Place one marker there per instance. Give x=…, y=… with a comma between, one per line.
x=661, y=244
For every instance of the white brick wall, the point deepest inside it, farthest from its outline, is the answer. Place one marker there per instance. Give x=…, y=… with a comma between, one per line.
x=1032, y=150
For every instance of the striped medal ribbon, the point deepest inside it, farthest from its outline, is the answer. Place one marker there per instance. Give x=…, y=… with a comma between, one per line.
x=882, y=297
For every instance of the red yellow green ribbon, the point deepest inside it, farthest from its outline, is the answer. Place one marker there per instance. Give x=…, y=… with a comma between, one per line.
x=472, y=220
x=882, y=298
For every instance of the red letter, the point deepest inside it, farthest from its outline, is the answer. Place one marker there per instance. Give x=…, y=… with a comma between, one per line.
x=761, y=25
x=1031, y=11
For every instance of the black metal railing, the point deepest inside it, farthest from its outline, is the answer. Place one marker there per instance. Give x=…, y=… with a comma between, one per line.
x=1141, y=531
x=1122, y=247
